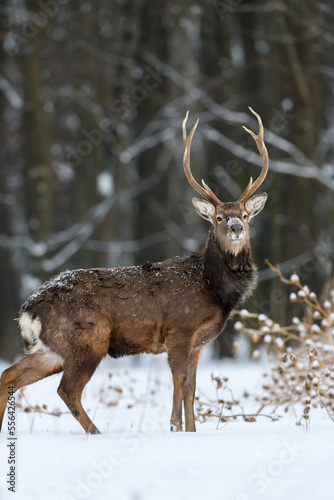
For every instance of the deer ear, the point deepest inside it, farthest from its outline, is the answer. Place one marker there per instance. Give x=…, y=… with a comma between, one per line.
x=255, y=204
x=204, y=208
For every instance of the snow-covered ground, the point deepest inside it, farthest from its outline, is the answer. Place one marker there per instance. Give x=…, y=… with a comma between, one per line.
x=137, y=458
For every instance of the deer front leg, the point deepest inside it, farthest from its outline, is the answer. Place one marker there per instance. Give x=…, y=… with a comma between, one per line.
x=176, y=418
x=189, y=391
x=178, y=359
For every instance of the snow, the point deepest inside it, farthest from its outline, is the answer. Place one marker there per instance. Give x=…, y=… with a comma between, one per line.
x=105, y=183
x=137, y=458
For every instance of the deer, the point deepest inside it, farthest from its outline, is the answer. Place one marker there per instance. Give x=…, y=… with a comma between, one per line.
x=71, y=322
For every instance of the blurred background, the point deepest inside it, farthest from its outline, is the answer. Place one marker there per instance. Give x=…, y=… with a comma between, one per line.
x=92, y=97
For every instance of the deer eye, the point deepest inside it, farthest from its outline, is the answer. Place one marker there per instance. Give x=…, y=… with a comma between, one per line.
x=219, y=219
x=245, y=216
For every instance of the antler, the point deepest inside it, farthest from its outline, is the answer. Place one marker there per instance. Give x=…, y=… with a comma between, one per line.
x=203, y=191
x=252, y=187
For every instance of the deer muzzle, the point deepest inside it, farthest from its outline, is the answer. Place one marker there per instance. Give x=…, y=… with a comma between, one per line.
x=236, y=230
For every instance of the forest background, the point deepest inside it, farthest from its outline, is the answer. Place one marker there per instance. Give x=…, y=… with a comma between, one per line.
x=92, y=97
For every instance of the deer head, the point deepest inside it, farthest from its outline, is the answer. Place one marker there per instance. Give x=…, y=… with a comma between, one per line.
x=229, y=219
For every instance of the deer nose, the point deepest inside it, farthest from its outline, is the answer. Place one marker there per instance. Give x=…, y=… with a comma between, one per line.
x=237, y=228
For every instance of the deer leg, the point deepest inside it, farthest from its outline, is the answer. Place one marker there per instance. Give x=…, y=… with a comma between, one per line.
x=28, y=370
x=178, y=361
x=189, y=391
x=70, y=390
x=176, y=418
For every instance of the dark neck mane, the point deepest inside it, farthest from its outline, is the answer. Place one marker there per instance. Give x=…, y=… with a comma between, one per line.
x=231, y=277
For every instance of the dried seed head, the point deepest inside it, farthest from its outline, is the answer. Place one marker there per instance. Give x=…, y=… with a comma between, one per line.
x=294, y=278
x=238, y=326
x=267, y=339
x=244, y=313
x=279, y=343
x=254, y=337
x=325, y=323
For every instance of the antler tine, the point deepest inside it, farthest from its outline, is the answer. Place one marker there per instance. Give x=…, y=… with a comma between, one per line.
x=258, y=138
x=203, y=191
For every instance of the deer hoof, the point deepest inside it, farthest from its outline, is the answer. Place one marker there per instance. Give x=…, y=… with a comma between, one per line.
x=175, y=428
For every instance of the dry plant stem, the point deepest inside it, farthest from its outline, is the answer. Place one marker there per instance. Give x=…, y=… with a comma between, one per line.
x=280, y=331
x=302, y=371
x=277, y=271
x=273, y=418
x=37, y=409
x=314, y=305
x=321, y=399
x=324, y=404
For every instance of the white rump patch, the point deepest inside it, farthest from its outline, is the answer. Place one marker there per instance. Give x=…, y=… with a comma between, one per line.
x=30, y=331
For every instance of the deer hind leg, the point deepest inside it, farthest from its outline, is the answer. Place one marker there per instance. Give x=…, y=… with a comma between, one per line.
x=72, y=384
x=92, y=336
x=30, y=369
x=189, y=391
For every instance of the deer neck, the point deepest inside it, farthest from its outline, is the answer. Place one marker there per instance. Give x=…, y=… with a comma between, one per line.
x=231, y=277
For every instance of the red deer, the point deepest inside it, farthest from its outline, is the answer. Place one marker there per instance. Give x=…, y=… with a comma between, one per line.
x=177, y=306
